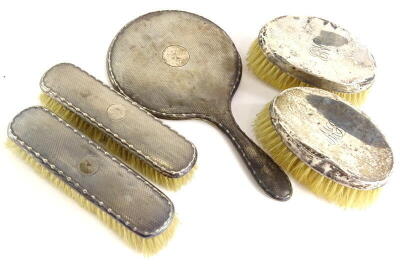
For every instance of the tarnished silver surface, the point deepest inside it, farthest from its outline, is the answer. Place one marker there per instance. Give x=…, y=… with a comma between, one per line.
x=195, y=79
x=124, y=120
x=332, y=137
x=95, y=174
x=318, y=52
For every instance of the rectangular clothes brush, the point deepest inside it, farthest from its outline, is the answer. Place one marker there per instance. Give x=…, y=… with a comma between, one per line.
x=119, y=124
x=135, y=209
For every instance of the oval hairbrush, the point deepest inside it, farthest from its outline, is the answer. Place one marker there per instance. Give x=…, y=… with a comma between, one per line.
x=307, y=51
x=326, y=144
x=179, y=65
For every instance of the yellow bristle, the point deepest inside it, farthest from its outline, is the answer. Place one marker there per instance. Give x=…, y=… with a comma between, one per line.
x=273, y=75
x=114, y=147
x=147, y=246
x=322, y=186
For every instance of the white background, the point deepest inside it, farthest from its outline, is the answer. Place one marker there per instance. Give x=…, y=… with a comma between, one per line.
x=225, y=218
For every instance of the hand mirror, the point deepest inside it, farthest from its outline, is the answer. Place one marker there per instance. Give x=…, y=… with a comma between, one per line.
x=179, y=65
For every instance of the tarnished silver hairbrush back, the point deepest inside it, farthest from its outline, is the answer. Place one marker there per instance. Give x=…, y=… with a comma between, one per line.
x=121, y=118
x=332, y=137
x=180, y=65
x=318, y=52
x=95, y=174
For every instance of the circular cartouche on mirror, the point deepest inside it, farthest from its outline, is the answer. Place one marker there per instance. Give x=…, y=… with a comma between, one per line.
x=176, y=56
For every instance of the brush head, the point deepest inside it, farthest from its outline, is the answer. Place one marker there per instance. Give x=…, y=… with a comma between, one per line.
x=331, y=137
x=141, y=214
x=312, y=51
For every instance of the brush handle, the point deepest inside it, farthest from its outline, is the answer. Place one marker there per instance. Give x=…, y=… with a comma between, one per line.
x=265, y=171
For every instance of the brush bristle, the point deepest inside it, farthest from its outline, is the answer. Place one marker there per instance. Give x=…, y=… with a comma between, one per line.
x=322, y=186
x=147, y=246
x=114, y=147
x=273, y=75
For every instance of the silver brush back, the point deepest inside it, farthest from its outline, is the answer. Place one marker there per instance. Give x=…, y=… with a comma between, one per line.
x=332, y=137
x=119, y=117
x=318, y=52
x=92, y=172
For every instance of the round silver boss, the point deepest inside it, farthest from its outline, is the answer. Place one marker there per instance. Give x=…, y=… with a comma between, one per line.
x=318, y=52
x=335, y=139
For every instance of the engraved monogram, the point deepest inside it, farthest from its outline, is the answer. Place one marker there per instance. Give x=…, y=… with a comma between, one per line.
x=319, y=50
x=333, y=133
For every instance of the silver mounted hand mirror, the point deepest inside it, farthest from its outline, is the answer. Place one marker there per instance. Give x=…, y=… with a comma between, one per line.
x=179, y=65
